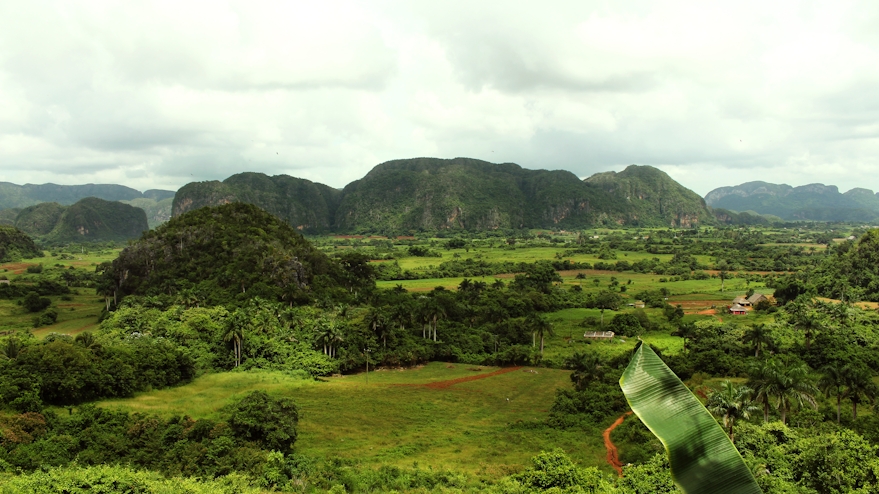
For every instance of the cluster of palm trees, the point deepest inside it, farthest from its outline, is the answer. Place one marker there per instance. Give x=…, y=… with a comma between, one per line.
x=774, y=383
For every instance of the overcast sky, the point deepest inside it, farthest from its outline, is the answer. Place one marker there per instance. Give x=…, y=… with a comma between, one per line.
x=159, y=94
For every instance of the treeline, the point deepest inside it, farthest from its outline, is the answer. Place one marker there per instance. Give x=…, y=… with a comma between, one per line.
x=176, y=446
x=61, y=370
x=850, y=272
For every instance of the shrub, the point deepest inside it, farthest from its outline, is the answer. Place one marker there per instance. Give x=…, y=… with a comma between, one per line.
x=34, y=303
x=270, y=422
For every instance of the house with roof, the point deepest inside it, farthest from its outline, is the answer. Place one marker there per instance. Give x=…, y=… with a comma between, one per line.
x=737, y=310
x=756, y=298
x=740, y=300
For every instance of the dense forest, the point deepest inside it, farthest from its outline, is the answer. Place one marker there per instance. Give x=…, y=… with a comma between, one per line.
x=426, y=194
x=236, y=293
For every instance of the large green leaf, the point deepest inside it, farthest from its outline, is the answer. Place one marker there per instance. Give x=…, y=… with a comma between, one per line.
x=703, y=460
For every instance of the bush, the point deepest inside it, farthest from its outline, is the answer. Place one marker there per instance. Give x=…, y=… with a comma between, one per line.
x=270, y=422
x=46, y=318
x=34, y=303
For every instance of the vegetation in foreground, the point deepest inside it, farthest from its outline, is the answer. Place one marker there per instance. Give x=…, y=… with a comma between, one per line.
x=792, y=384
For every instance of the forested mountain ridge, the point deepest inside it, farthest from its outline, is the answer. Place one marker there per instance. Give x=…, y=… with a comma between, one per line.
x=16, y=245
x=651, y=193
x=20, y=196
x=302, y=203
x=817, y=202
x=460, y=193
x=88, y=219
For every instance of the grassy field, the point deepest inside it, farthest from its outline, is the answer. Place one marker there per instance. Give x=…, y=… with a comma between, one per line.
x=77, y=312
x=482, y=427
x=706, y=290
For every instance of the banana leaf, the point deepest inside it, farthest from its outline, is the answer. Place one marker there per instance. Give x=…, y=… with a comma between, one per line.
x=702, y=458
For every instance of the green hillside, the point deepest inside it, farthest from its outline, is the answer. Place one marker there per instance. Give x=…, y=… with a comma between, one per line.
x=221, y=252
x=7, y=216
x=652, y=198
x=40, y=219
x=157, y=211
x=301, y=203
x=96, y=219
x=16, y=245
x=460, y=193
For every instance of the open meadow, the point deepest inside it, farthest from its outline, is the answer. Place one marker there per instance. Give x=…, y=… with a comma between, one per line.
x=444, y=416
x=77, y=311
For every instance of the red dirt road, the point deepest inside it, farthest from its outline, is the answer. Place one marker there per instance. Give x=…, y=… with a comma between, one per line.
x=613, y=456
x=452, y=382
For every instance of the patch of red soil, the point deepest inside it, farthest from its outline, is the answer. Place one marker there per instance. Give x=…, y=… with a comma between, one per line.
x=613, y=456
x=16, y=267
x=452, y=382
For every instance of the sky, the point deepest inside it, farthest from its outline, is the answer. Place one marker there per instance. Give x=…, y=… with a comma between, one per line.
x=159, y=94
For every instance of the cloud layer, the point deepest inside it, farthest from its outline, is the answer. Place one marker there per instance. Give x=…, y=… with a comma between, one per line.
x=158, y=95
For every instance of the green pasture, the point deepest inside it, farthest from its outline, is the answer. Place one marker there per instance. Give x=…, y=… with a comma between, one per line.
x=78, y=314
x=88, y=260
x=708, y=289
x=522, y=254
x=487, y=427
x=567, y=337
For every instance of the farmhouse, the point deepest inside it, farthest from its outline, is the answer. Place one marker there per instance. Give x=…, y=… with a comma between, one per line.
x=741, y=301
x=598, y=335
x=737, y=310
x=756, y=298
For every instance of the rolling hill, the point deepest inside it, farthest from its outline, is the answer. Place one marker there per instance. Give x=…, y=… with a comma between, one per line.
x=460, y=193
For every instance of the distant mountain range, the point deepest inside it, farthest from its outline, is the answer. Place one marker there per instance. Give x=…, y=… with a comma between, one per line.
x=815, y=202
x=13, y=198
x=460, y=193
x=431, y=194
x=89, y=219
x=21, y=196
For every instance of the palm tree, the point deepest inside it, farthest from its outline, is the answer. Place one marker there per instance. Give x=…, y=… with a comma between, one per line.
x=759, y=335
x=832, y=382
x=859, y=386
x=762, y=381
x=540, y=328
x=235, y=334
x=794, y=387
x=722, y=271
x=731, y=402
x=378, y=321
x=11, y=348
x=586, y=368
x=86, y=339
x=329, y=336
x=803, y=318
x=433, y=310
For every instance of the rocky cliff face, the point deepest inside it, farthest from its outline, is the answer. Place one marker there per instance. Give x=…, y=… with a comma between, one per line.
x=649, y=196
x=461, y=193
x=303, y=204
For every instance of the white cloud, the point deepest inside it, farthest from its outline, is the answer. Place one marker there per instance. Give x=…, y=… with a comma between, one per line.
x=160, y=94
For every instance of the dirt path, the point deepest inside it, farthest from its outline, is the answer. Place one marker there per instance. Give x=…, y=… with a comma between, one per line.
x=613, y=456
x=452, y=382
